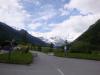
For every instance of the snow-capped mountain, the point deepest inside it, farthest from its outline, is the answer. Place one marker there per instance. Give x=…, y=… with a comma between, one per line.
x=57, y=41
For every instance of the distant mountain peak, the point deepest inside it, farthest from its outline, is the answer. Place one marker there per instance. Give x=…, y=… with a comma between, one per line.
x=57, y=41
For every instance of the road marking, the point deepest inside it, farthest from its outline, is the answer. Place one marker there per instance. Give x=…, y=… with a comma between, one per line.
x=59, y=70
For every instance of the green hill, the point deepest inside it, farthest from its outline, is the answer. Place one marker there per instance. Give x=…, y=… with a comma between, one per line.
x=8, y=33
x=89, y=40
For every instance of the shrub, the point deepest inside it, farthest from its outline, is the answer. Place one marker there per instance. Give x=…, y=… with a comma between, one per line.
x=16, y=58
x=81, y=47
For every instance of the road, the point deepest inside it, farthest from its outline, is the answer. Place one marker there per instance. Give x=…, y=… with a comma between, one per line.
x=50, y=65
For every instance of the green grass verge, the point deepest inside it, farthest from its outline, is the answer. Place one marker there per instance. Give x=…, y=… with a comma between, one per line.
x=45, y=50
x=92, y=56
x=84, y=56
x=16, y=58
x=59, y=54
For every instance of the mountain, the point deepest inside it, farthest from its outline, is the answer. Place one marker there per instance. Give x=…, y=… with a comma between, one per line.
x=8, y=33
x=57, y=41
x=89, y=40
x=31, y=39
x=22, y=36
x=45, y=39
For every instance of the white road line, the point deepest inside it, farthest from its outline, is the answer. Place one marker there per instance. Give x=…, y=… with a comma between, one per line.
x=59, y=70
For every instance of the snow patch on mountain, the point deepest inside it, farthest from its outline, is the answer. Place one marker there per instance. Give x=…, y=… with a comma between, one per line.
x=57, y=41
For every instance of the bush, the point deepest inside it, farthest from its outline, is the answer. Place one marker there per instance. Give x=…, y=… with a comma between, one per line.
x=16, y=58
x=81, y=47
x=60, y=53
x=45, y=49
x=92, y=56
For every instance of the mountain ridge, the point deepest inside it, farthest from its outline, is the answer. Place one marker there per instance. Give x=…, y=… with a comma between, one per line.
x=9, y=33
x=89, y=40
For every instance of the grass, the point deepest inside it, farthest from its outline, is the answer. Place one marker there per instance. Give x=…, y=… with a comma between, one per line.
x=92, y=56
x=59, y=54
x=16, y=58
x=45, y=50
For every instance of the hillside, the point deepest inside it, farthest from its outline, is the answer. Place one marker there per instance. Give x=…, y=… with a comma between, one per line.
x=22, y=36
x=8, y=33
x=89, y=40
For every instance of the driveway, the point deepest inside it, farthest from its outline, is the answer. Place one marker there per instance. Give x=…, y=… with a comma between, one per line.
x=50, y=65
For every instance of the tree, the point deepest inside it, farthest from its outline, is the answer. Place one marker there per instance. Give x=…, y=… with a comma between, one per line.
x=39, y=48
x=51, y=47
x=67, y=44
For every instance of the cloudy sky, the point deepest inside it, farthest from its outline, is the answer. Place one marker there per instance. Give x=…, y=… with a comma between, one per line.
x=49, y=18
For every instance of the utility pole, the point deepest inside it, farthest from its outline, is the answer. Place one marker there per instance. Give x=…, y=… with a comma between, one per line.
x=66, y=47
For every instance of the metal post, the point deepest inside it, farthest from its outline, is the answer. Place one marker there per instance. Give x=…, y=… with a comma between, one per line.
x=65, y=50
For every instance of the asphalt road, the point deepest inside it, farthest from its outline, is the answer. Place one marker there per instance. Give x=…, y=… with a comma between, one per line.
x=50, y=65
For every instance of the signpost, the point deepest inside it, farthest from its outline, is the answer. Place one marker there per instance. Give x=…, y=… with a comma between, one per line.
x=65, y=50
x=66, y=47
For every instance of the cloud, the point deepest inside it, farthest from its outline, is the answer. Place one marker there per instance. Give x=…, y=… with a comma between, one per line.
x=72, y=28
x=45, y=16
x=12, y=13
x=64, y=12
x=35, y=2
x=47, y=12
x=85, y=5
x=32, y=26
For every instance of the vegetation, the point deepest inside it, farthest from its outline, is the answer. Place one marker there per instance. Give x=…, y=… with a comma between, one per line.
x=16, y=57
x=41, y=49
x=79, y=46
x=87, y=46
x=8, y=33
x=51, y=47
x=60, y=53
x=95, y=55
x=86, y=54
x=92, y=56
x=89, y=40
